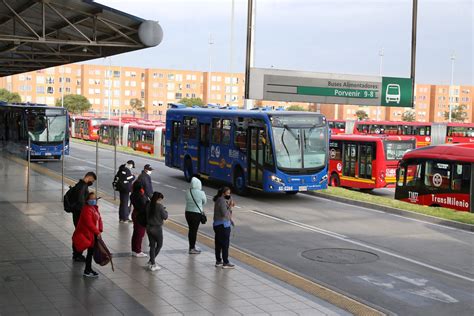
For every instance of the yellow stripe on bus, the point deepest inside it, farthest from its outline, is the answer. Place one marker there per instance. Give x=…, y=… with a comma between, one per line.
x=358, y=180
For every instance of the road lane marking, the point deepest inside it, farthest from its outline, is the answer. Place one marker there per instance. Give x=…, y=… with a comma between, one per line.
x=361, y=244
x=414, y=281
x=170, y=186
x=376, y=281
x=434, y=294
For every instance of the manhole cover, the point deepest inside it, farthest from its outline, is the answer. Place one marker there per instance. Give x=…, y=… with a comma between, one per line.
x=340, y=255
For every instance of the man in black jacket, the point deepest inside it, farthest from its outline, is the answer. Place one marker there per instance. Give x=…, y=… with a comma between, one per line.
x=126, y=179
x=145, y=180
x=82, y=192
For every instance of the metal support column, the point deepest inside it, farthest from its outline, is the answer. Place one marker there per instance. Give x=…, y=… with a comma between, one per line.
x=115, y=165
x=413, y=47
x=28, y=172
x=62, y=169
x=249, y=56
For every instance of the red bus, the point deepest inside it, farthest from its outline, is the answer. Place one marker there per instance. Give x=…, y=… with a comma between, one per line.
x=366, y=162
x=460, y=133
x=147, y=137
x=85, y=127
x=441, y=175
x=420, y=130
x=337, y=126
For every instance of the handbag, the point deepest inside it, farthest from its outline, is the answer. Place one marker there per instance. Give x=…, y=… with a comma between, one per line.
x=203, y=215
x=102, y=255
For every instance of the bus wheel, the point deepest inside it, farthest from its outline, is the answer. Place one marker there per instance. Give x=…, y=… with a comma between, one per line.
x=366, y=190
x=239, y=182
x=291, y=192
x=334, y=180
x=188, y=169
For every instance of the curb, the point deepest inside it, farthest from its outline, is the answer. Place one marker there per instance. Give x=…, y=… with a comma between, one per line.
x=319, y=290
x=397, y=211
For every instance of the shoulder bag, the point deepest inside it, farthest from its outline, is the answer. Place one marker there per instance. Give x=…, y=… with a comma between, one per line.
x=203, y=215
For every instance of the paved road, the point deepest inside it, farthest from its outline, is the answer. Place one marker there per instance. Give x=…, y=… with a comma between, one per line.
x=406, y=266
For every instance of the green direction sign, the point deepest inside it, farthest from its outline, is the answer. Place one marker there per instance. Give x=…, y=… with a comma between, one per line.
x=300, y=86
x=397, y=92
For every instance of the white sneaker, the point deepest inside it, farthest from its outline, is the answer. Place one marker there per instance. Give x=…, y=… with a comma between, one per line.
x=155, y=267
x=194, y=252
x=139, y=255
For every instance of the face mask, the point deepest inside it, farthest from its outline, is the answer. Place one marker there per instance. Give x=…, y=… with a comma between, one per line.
x=90, y=183
x=92, y=202
x=148, y=172
x=129, y=166
x=227, y=197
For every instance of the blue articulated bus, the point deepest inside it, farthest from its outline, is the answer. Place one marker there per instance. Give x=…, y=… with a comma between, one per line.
x=47, y=128
x=271, y=151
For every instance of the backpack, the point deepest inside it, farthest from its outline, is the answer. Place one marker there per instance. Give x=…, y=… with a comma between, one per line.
x=70, y=199
x=117, y=184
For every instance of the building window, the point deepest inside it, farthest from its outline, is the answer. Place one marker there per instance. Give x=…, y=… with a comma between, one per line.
x=170, y=76
x=178, y=95
x=40, y=89
x=50, y=90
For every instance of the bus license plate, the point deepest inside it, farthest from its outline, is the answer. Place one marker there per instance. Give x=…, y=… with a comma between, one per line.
x=303, y=188
x=47, y=154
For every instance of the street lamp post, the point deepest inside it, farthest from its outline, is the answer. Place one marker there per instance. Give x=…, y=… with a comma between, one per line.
x=381, y=54
x=249, y=60
x=210, y=69
x=453, y=58
x=231, y=53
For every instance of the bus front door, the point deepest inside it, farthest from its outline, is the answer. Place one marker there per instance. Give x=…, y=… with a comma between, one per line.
x=255, y=157
x=204, y=148
x=175, y=142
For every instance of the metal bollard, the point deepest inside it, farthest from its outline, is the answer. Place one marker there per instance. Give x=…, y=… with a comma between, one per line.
x=97, y=166
x=28, y=172
x=115, y=165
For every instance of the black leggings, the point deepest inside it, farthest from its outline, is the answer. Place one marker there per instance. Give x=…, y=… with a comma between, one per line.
x=90, y=253
x=155, y=237
x=193, y=219
x=222, y=243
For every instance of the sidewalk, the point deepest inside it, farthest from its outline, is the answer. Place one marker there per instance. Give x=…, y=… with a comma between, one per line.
x=38, y=277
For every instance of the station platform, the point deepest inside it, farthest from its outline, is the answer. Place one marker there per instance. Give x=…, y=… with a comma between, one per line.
x=38, y=276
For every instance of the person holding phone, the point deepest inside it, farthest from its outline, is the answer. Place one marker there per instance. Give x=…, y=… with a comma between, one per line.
x=223, y=205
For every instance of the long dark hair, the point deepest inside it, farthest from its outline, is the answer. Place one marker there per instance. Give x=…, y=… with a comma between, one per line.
x=154, y=199
x=137, y=186
x=220, y=192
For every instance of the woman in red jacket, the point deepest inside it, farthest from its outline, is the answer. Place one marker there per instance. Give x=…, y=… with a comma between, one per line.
x=87, y=231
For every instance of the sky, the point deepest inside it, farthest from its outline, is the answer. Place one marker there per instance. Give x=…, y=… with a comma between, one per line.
x=335, y=36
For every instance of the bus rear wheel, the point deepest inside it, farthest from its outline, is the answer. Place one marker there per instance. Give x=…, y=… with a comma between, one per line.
x=188, y=169
x=291, y=192
x=239, y=182
x=334, y=180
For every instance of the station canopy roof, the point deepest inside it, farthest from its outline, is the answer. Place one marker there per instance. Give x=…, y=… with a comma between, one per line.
x=37, y=34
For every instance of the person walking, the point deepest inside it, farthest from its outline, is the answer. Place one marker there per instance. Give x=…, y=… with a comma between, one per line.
x=88, y=229
x=81, y=192
x=156, y=215
x=139, y=202
x=223, y=204
x=125, y=180
x=145, y=179
x=195, y=201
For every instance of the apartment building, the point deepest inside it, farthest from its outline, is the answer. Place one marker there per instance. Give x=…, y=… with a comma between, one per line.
x=110, y=89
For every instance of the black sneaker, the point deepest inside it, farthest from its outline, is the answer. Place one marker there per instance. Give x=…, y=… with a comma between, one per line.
x=218, y=263
x=228, y=266
x=90, y=274
x=79, y=258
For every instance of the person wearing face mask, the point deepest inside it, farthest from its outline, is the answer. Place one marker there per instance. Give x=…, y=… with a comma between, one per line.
x=126, y=179
x=145, y=180
x=223, y=204
x=88, y=229
x=81, y=190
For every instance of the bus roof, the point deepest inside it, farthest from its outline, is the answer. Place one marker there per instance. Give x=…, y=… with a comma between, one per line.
x=238, y=112
x=463, y=152
x=371, y=138
x=393, y=123
x=29, y=105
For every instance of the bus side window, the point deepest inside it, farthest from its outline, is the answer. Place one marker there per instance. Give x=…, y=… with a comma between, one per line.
x=240, y=138
x=461, y=178
x=226, y=126
x=204, y=135
x=190, y=128
x=437, y=174
x=335, y=150
x=413, y=175
x=401, y=172
x=216, y=131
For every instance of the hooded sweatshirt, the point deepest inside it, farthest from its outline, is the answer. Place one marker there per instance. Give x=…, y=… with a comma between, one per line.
x=199, y=196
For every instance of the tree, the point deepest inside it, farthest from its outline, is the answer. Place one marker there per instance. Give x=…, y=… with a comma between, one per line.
x=9, y=97
x=295, y=107
x=361, y=115
x=137, y=105
x=75, y=103
x=409, y=116
x=458, y=113
x=189, y=102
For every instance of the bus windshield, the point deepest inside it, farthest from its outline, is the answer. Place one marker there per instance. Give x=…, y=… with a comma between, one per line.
x=394, y=150
x=300, y=147
x=44, y=128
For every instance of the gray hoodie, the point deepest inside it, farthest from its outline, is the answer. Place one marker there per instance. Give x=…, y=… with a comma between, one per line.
x=222, y=211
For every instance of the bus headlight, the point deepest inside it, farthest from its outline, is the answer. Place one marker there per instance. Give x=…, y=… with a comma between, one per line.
x=276, y=179
x=324, y=178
